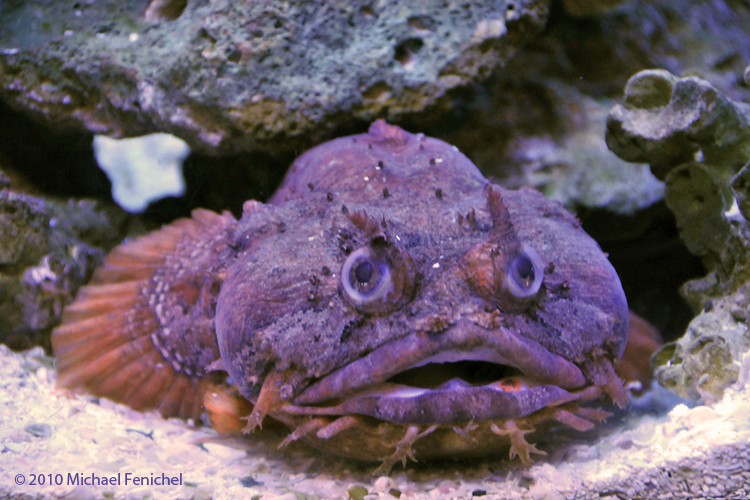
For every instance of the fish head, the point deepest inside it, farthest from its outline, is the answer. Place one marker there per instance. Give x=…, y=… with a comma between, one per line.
x=388, y=279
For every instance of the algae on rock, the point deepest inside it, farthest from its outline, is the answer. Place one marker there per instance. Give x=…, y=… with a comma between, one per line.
x=697, y=140
x=231, y=77
x=579, y=170
x=48, y=249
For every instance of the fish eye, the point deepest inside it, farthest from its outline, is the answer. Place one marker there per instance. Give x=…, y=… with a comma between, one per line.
x=525, y=274
x=365, y=278
x=363, y=271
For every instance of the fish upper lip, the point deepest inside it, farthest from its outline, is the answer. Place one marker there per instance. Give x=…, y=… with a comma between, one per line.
x=463, y=341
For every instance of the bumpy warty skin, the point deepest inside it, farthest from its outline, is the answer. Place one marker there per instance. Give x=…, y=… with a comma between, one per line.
x=279, y=308
x=387, y=302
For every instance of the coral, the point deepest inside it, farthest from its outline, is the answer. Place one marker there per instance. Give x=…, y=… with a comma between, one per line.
x=142, y=169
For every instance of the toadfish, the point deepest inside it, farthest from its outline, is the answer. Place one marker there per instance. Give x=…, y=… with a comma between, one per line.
x=388, y=302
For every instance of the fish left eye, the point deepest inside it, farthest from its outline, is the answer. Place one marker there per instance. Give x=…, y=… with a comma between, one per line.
x=365, y=278
x=378, y=278
x=525, y=274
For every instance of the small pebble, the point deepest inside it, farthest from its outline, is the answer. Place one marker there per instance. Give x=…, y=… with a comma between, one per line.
x=383, y=483
x=39, y=430
x=249, y=481
x=357, y=492
x=201, y=494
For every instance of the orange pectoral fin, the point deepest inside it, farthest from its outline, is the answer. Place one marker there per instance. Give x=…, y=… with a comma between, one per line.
x=132, y=334
x=225, y=409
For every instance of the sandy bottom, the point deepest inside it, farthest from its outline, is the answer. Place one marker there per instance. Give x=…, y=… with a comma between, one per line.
x=52, y=444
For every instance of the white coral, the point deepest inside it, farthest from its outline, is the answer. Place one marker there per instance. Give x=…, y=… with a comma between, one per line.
x=142, y=169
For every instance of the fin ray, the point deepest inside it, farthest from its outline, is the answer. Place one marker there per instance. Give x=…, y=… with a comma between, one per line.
x=115, y=339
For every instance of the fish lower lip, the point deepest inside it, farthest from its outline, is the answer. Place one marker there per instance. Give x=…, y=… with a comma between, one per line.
x=447, y=405
x=463, y=341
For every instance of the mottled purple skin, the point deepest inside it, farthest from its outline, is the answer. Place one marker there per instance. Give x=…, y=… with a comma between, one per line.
x=281, y=307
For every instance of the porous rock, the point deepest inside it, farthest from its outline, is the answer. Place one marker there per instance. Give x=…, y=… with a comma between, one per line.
x=579, y=171
x=48, y=249
x=233, y=76
x=701, y=365
x=697, y=140
x=665, y=120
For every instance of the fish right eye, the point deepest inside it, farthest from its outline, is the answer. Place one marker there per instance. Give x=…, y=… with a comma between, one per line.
x=525, y=274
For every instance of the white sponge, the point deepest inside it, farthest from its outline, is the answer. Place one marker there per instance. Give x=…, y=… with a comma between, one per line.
x=142, y=169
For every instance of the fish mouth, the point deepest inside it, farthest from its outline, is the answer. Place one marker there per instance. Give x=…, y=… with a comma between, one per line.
x=464, y=373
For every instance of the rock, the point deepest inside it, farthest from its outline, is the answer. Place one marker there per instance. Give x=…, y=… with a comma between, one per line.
x=740, y=186
x=540, y=121
x=236, y=76
x=357, y=492
x=579, y=171
x=383, y=484
x=665, y=121
x=553, y=88
x=697, y=142
x=695, y=197
x=48, y=249
x=697, y=139
x=39, y=430
x=702, y=363
x=650, y=89
x=589, y=7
